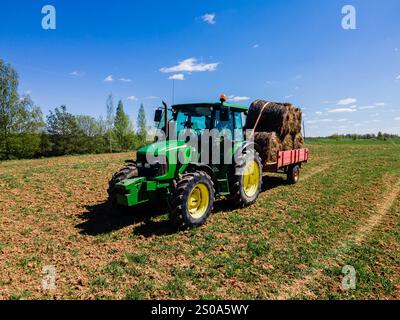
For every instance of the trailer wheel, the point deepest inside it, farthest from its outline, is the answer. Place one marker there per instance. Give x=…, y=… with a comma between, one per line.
x=246, y=181
x=293, y=174
x=192, y=200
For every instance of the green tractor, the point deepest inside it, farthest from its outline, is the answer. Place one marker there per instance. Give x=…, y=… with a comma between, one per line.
x=190, y=186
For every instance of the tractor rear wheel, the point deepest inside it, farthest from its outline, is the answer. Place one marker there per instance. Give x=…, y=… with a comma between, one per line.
x=192, y=200
x=293, y=174
x=245, y=183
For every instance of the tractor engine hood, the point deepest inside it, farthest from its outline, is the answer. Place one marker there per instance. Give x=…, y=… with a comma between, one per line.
x=161, y=148
x=162, y=151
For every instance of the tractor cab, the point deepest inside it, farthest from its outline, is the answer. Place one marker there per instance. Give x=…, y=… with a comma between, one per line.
x=199, y=117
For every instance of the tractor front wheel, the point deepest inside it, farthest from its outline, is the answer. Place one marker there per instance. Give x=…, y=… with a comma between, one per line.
x=121, y=175
x=192, y=200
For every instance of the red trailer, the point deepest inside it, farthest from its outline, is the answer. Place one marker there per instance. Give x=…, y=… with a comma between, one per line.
x=289, y=162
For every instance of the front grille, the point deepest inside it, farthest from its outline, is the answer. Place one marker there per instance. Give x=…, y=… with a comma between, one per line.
x=149, y=170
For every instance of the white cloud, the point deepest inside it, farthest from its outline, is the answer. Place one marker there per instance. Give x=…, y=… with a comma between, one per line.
x=342, y=120
x=209, y=18
x=367, y=107
x=342, y=110
x=256, y=46
x=288, y=97
x=319, y=120
x=191, y=65
x=178, y=76
x=397, y=118
x=76, y=73
x=318, y=113
x=345, y=102
x=124, y=80
x=151, y=97
x=238, y=98
x=132, y=98
x=378, y=104
x=398, y=77
x=109, y=78
x=298, y=77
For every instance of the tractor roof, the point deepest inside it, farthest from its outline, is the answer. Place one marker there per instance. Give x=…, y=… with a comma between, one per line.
x=212, y=104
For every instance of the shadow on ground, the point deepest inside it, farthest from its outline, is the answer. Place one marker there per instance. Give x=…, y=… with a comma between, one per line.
x=102, y=218
x=270, y=183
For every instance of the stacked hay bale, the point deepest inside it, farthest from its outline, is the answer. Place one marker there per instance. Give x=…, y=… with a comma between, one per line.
x=278, y=127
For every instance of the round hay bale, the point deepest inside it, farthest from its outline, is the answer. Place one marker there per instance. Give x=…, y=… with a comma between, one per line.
x=270, y=145
x=298, y=141
x=281, y=118
x=298, y=118
x=287, y=143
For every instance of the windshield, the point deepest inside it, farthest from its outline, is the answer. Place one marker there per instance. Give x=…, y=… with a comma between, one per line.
x=195, y=118
x=200, y=118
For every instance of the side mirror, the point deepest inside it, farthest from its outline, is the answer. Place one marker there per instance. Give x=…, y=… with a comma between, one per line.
x=158, y=115
x=224, y=114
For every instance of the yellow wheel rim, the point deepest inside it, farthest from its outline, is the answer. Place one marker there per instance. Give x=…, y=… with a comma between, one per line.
x=198, y=201
x=251, y=178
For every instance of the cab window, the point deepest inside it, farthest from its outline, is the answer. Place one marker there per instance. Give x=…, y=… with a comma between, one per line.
x=238, y=125
x=223, y=125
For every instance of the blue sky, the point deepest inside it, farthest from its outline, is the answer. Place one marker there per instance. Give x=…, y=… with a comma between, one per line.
x=286, y=50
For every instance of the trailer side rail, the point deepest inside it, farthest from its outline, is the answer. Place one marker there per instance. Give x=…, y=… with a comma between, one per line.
x=287, y=158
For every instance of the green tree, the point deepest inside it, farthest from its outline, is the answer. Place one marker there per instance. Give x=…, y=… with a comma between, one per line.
x=25, y=136
x=90, y=138
x=141, y=124
x=122, y=127
x=20, y=120
x=64, y=132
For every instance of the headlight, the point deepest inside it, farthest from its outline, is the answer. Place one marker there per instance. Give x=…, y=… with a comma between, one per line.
x=147, y=165
x=139, y=164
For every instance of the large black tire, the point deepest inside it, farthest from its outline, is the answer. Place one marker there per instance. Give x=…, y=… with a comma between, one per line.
x=182, y=201
x=238, y=196
x=293, y=174
x=127, y=172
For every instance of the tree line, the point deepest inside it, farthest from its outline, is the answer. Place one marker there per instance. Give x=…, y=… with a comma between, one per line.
x=25, y=133
x=367, y=136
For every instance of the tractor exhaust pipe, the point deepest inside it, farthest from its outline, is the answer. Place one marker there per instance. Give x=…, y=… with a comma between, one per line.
x=166, y=118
